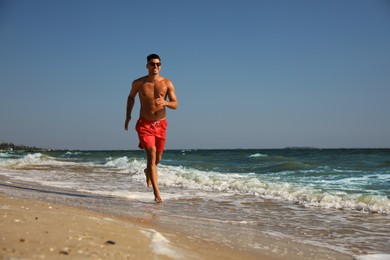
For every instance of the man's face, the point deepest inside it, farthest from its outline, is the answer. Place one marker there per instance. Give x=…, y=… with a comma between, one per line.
x=154, y=66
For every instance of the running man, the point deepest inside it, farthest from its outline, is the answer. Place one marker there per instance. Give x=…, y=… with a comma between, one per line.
x=155, y=94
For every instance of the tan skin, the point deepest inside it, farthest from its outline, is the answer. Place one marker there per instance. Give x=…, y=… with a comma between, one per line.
x=155, y=93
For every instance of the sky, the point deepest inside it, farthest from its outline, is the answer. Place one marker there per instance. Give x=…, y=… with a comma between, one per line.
x=247, y=74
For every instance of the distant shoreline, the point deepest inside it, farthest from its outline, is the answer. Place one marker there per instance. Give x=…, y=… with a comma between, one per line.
x=7, y=147
x=14, y=147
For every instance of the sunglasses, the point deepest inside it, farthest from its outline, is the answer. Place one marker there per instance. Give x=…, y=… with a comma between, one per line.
x=152, y=64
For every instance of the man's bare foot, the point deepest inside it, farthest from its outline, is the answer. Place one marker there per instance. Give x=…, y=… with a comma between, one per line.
x=157, y=197
x=148, y=181
x=158, y=200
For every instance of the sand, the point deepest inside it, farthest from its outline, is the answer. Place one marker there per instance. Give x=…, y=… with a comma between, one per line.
x=42, y=227
x=40, y=230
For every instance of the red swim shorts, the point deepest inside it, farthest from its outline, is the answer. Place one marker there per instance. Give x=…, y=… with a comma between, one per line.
x=151, y=133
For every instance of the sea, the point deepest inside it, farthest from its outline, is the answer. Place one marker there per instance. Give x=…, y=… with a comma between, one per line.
x=332, y=198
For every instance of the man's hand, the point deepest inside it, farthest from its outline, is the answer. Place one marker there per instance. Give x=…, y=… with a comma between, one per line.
x=161, y=100
x=127, y=123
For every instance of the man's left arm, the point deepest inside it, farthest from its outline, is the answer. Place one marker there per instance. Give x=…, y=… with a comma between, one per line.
x=172, y=100
x=172, y=103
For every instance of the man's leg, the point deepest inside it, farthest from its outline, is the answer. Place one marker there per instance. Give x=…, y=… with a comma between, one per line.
x=147, y=175
x=158, y=157
x=151, y=171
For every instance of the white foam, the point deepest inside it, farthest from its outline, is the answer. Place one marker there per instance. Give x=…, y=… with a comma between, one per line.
x=160, y=245
x=257, y=155
x=372, y=257
x=134, y=195
x=139, y=196
x=122, y=162
x=35, y=159
x=72, y=153
x=125, y=165
x=31, y=158
x=6, y=155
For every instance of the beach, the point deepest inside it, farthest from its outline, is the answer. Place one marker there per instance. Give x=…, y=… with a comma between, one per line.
x=40, y=230
x=218, y=204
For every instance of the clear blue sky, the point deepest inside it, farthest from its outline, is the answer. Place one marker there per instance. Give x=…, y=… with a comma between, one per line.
x=248, y=74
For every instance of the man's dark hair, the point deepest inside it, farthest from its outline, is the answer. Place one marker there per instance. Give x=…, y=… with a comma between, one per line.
x=152, y=56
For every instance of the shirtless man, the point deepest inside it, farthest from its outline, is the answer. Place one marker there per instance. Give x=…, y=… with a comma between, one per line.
x=155, y=94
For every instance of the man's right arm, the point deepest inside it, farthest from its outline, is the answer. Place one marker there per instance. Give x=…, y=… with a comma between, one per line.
x=130, y=103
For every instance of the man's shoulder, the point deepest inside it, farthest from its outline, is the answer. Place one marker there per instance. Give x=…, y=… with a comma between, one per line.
x=166, y=81
x=140, y=80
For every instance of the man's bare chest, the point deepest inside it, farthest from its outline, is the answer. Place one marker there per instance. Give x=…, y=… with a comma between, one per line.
x=150, y=90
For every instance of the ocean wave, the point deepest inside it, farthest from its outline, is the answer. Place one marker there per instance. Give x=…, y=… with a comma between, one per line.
x=126, y=165
x=72, y=153
x=255, y=185
x=6, y=155
x=322, y=193
x=32, y=160
x=24, y=160
x=257, y=155
x=173, y=176
x=121, y=163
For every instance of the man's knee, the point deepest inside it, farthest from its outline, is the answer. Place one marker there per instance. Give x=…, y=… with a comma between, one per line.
x=151, y=149
x=151, y=154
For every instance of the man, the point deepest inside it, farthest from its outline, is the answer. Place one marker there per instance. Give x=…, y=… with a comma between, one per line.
x=155, y=94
